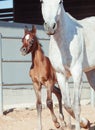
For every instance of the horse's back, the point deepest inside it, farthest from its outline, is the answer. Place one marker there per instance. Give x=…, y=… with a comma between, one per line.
x=88, y=25
x=89, y=38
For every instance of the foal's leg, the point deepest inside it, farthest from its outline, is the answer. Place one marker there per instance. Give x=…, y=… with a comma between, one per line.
x=50, y=106
x=58, y=94
x=37, y=89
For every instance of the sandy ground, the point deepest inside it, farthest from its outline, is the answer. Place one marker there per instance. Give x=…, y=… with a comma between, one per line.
x=26, y=119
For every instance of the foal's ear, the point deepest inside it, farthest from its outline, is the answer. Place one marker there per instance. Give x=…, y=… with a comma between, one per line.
x=25, y=29
x=33, y=29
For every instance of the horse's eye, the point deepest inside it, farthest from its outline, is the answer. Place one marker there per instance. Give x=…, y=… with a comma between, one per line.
x=41, y=1
x=61, y=1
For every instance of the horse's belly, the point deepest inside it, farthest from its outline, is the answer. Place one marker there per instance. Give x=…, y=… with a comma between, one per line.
x=88, y=64
x=89, y=61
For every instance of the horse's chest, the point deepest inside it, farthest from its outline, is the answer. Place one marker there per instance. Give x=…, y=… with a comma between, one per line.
x=59, y=58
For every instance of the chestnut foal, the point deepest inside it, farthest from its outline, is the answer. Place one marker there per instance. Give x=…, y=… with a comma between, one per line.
x=41, y=73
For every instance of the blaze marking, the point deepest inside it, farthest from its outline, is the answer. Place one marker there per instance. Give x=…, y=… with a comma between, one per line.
x=27, y=37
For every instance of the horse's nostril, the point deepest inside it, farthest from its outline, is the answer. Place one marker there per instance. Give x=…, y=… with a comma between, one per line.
x=45, y=23
x=54, y=25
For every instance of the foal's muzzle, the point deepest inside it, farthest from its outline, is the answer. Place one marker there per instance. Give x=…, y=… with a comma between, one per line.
x=50, y=29
x=23, y=51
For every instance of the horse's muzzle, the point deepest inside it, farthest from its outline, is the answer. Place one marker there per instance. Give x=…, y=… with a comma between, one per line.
x=50, y=30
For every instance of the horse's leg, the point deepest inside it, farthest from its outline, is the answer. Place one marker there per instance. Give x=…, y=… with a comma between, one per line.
x=58, y=94
x=62, y=81
x=37, y=89
x=76, y=72
x=50, y=106
x=77, y=77
x=84, y=123
x=91, y=78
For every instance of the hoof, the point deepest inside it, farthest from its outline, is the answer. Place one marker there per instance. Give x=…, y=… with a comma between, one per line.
x=63, y=123
x=84, y=123
x=57, y=125
x=61, y=117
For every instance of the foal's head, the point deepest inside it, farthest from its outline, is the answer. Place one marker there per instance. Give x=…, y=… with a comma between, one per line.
x=29, y=41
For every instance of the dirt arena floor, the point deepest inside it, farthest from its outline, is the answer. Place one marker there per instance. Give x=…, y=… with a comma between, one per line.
x=26, y=119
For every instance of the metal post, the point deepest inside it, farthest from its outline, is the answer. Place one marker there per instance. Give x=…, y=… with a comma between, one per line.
x=1, y=90
x=92, y=97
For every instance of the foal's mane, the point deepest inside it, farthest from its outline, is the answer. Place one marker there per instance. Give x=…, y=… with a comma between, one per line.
x=39, y=44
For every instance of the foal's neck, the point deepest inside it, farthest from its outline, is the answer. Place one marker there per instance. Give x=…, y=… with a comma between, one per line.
x=37, y=54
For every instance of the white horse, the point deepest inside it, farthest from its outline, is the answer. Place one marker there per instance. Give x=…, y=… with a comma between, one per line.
x=71, y=51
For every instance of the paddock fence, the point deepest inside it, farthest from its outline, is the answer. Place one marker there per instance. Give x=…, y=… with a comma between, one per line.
x=16, y=89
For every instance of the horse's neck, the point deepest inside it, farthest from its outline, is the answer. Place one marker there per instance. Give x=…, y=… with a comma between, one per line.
x=37, y=55
x=66, y=25
x=63, y=22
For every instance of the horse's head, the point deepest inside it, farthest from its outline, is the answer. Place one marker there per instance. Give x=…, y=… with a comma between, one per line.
x=28, y=40
x=50, y=11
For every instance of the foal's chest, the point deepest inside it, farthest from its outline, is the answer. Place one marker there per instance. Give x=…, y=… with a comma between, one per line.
x=37, y=75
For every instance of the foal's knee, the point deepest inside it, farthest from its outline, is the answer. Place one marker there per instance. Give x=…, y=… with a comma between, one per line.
x=49, y=103
x=39, y=106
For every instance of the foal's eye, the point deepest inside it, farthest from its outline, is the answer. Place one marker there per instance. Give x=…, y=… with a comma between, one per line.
x=32, y=41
